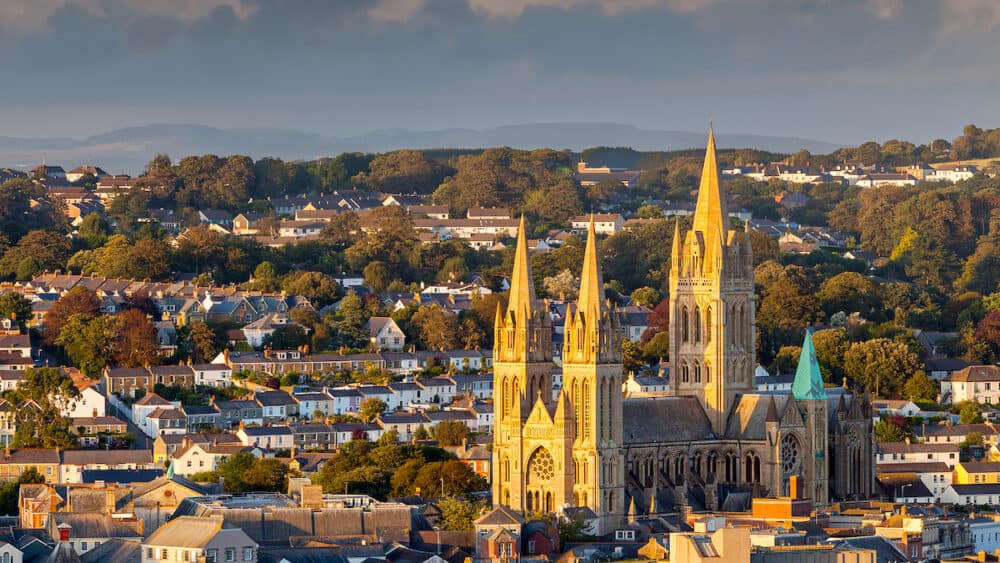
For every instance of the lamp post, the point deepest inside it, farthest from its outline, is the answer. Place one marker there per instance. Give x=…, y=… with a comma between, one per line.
x=903, y=490
x=442, y=487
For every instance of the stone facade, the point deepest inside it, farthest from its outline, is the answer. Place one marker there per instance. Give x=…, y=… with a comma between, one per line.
x=713, y=443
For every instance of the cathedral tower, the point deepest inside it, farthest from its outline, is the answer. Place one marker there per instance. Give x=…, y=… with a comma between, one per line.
x=592, y=383
x=522, y=383
x=810, y=394
x=711, y=304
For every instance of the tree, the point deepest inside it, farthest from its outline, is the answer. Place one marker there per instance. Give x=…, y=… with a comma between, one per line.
x=890, y=430
x=14, y=306
x=204, y=343
x=134, y=341
x=377, y=276
x=43, y=425
x=459, y=479
x=920, y=387
x=403, y=171
x=989, y=331
x=10, y=490
x=970, y=413
x=233, y=469
x=320, y=289
x=88, y=342
x=349, y=322
x=787, y=305
x=649, y=211
x=421, y=433
x=881, y=364
x=437, y=328
x=371, y=408
x=93, y=230
x=850, y=292
x=36, y=252
x=830, y=346
x=646, y=296
x=451, y=433
x=786, y=360
x=563, y=285
x=658, y=320
x=458, y=514
x=268, y=475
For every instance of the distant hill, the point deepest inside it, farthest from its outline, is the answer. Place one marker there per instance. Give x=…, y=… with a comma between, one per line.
x=129, y=149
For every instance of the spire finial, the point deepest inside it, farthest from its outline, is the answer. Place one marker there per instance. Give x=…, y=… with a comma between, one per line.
x=710, y=214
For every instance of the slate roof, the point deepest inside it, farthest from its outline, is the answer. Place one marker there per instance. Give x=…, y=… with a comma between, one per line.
x=500, y=516
x=186, y=531
x=121, y=475
x=106, y=457
x=267, y=431
x=96, y=525
x=664, y=419
x=977, y=373
x=920, y=467
x=29, y=456
x=114, y=549
x=980, y=489
x=747, y=421
x=274, y=399
x=301, y=555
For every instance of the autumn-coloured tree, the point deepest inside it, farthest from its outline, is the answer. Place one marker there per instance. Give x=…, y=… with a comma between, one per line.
x=135, y=343
x=76, y=301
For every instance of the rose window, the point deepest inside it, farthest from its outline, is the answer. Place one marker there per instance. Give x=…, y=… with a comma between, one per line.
x=789, y=454
x=542, y=467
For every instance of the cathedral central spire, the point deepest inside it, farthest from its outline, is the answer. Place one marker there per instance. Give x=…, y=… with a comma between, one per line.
x=710, y=216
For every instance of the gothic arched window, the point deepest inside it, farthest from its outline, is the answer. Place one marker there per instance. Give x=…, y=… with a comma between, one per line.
x=684, y=324
x=685, y=375
x=697, y=324
x=697, y=372
x=708, y=324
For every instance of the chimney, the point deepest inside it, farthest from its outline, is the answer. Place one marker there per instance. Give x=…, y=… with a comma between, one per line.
x=64, y=529
x=794, y=487
x=109, y=500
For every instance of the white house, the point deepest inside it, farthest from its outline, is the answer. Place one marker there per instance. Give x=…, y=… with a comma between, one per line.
x=258, y=331
x=952, y=173
x=981, y=494
x=90, y=403
x=266, y=437
x=385, y=334
x=145, y=406
x=477, y=360
x=889, y=406
x=198, y=457
x=645, y=386
x=440, y=390
x=985, y=534
x=906, y=452
x=980, y=384
x=604, y=223
x=214, y=375
x=345, y=401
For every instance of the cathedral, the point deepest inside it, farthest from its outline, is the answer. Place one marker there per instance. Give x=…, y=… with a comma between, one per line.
x=713, y=443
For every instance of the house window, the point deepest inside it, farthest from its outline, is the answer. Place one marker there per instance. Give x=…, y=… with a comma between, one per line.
x=83, y=546
x=230, y=554
x=531, y=546
x=212, y=556
x=248, y=554
x=163, y=553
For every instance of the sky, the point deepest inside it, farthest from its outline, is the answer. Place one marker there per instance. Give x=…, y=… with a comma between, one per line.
x=844, y=71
